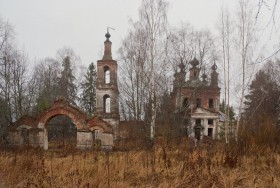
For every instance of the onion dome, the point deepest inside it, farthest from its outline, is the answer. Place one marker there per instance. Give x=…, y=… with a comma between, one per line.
x=214, y=67
x=107, y=35
x=194, y=62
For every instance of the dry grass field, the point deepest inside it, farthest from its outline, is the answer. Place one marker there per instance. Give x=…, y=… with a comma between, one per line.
x=212, y=165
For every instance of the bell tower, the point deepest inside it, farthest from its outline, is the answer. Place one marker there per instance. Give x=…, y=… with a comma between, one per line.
x=107, y=93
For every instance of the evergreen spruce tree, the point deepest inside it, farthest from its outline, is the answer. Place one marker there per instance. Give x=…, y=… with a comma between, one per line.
x=223, y=108
x=68, y=89
x=88, y=96
x=263, y=98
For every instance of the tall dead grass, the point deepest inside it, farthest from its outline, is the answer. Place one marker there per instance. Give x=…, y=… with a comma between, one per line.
x=214, y=165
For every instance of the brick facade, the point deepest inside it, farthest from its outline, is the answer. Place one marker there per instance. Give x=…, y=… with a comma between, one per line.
x=197, y=100
x=33, y=131
x=107, y=88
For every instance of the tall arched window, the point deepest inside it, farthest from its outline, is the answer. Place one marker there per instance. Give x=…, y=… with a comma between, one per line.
x=107, y=74
x=107, y=103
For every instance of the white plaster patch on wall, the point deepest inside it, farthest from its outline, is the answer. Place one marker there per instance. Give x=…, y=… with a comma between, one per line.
x=41, y=125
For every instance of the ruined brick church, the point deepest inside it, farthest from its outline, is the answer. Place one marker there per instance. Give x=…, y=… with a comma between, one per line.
x=197, y=101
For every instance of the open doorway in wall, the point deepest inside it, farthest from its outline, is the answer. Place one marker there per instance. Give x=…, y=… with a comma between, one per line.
x=210, y=132
x=197, y=129
x=25, y=136
x=62, y=133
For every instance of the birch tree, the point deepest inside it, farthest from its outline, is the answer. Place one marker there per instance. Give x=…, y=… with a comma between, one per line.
x=246, y=34
x=226, y=31
x=153, y=18
x=151, y=37
x=133, y=75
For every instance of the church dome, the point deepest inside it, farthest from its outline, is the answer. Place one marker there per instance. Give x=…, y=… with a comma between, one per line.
x=107, y=35
x=194, y=62
x=214, y=67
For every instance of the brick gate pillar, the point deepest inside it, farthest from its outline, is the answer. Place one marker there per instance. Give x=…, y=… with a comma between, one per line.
x=45, y=139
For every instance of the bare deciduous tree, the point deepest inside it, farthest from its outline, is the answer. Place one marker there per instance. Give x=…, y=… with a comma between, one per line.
x=148, y=69
x=246, y=34
x=45, y=86
x=226, y=31
x=133, y=76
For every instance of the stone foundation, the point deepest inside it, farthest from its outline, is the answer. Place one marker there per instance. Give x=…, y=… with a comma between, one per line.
x=39, y=138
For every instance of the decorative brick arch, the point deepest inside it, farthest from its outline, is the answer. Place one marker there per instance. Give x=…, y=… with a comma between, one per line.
x=85, y=126
x=78, y=117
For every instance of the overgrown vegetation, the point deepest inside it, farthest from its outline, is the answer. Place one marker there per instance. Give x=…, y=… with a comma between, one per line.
x=150, y=54
x=248, y=163
x=253, y=161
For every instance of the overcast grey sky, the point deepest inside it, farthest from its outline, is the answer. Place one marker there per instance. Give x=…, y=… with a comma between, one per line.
x=44, y=26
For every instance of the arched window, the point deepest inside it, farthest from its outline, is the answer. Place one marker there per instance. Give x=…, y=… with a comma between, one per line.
x=107, y=74
x=107, y=103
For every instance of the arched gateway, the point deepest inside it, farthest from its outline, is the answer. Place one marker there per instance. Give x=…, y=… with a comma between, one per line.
x=33, y=130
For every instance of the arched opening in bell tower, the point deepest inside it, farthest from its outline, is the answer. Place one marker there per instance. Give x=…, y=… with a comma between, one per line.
x=107, y=103
x=107, y=75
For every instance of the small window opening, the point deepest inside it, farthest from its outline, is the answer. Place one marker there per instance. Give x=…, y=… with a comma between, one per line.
x=210, y=121
x=185, y=102
x=107, y=74
x=198, y=102
x=211, y=103
x=198, y=122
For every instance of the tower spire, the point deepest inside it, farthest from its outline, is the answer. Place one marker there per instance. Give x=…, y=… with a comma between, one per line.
x=214, y=75
x=107, y=46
